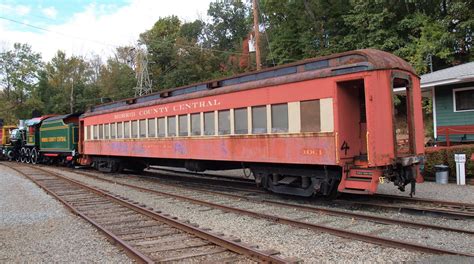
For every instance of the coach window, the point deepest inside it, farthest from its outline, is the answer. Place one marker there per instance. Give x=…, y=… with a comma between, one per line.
x=224, y=122
x=151, y=127
x=120, y=130
x=101, y=131
x=113, y=130
x=259, y=119
x=196, y=124
x=183, y=125
x=134, y=129
x=209, y=127
x=142, y=128
x=161, y=127
x=126, y=129
x=96, y=131
x=89, y=132
x=280, y=118
x=171, y=126
x=310, y=116
x=107, y=131
x=241, y=121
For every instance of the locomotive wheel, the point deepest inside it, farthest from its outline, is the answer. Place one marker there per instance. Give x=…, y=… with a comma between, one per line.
x=27, y=155
x=17, y=157
x=34, y=156
x=23, y=155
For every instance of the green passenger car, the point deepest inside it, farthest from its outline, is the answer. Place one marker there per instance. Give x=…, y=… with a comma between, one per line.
x=60, y=135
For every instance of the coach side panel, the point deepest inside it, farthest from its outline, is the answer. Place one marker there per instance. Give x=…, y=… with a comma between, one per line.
x=290, y=123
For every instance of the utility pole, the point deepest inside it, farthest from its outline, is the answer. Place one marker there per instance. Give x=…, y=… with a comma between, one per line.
x=257, y=35
x=71, y=99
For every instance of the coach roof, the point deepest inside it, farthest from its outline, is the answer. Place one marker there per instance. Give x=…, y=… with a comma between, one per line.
x=332, y=65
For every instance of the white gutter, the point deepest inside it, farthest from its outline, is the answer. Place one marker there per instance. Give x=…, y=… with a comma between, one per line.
x=435, y=132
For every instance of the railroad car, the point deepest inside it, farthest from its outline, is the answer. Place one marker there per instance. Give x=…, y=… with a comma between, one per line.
x=314, y=127
x=59, y=137
x=6, y=144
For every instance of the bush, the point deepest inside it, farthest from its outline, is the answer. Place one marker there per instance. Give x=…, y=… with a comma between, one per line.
x=441, y=155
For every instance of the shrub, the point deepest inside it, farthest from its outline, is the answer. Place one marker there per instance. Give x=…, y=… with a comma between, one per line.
x=437, y=156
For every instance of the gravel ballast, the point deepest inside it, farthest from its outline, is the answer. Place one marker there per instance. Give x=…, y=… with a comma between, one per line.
x=307, y=245
x=36, y=228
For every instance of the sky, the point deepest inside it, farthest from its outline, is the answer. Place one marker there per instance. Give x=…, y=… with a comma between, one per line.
x=86, y=27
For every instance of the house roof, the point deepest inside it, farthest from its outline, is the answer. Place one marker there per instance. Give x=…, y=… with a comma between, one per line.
x=457, y=74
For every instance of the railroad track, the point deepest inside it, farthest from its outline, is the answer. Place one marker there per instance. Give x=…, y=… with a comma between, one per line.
x=205, y=179
x=303, y=224
x=454, y=210
x=145, y=234
x=400, y=204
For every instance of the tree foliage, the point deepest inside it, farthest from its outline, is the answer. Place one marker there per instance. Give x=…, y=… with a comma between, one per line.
x=180, y=53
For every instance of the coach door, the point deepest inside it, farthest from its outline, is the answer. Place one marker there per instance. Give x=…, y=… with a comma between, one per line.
x=403, y=115
x=81, y=137
x=352, y=127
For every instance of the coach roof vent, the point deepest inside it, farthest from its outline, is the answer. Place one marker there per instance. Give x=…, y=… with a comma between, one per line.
x=131, y=101
x=213, y=85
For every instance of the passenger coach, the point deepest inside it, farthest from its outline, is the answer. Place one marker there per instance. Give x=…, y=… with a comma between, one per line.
x=313, y=127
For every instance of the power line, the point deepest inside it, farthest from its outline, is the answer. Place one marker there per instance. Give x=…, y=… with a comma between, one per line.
x=55, y=32
x=112, y=45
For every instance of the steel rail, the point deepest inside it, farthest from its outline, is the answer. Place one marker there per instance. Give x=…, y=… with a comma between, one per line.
x=283, y=220
x=230, y=244
x=456, y=214
x=130, y=251
x=377, y=219
x=424, y=200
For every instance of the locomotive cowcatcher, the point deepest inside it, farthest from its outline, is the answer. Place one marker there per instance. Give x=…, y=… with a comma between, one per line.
x=314, y=127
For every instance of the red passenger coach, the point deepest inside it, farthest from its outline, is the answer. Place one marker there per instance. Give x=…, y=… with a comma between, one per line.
x=313, y=127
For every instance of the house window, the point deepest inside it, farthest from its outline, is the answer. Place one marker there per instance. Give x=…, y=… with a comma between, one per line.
x=209, y=126
x=172, y=126
x=196, y=124
x=259, y=119
x=224, y=122
x=280, y=118
x=183, y=125
x=151, y=127
x=463, y=99
x=310, y=116
x=240, y=121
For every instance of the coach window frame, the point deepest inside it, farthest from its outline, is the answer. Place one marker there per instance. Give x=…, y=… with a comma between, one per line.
x=223, y=122
x=276, y=119
x=142, y=134
x=173, y=132
x=259, y=119
x=151, y=127
x=183, y=122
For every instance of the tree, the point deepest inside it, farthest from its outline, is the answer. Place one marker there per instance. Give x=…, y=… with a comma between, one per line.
x=19, y=72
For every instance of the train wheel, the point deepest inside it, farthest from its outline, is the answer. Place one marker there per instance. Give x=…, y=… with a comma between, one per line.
x=34, y=156
x=28, y=155
x=17, y=156
x=23, y=155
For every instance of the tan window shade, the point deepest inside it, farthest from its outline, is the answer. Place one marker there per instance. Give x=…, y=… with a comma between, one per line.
x=310, y=116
